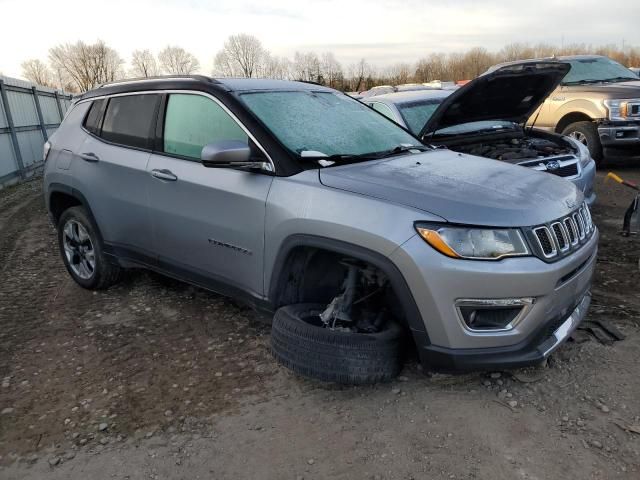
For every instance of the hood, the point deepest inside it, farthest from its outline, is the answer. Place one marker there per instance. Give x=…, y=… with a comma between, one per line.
x=460, y=188
x=511, y=92
x=621, y=90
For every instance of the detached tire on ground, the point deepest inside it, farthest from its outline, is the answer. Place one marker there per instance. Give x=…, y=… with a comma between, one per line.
x=334, y=356
x=586, y=133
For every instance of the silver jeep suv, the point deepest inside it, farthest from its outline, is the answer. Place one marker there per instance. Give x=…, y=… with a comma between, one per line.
x=300, y=200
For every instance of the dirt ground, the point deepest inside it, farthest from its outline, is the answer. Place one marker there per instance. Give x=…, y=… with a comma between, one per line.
x=157, y=379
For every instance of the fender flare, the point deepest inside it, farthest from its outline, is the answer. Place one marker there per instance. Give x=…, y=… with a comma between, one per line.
x=384, y=263
x=72, y=192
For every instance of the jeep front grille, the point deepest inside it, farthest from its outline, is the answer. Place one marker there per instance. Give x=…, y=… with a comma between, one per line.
x=565, y=234
x=543, y=234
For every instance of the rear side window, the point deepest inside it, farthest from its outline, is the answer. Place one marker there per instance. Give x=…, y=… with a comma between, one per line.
x=130, y=120
x=193, y=121
x=93, y=120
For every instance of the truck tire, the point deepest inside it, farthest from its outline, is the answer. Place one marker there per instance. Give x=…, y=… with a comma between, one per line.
x=587, y=134
x=82, y=251
x=334, y=356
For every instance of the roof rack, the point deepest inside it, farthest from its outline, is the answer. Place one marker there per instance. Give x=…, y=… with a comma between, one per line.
x=198, y=78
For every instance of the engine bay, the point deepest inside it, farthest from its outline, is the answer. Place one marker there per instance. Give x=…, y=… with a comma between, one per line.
x=515, y=149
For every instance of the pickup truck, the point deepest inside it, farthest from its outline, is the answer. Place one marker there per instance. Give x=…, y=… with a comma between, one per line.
x=597, y=103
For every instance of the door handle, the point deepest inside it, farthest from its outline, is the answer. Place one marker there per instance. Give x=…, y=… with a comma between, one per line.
x=89, y=157
x=164, y=175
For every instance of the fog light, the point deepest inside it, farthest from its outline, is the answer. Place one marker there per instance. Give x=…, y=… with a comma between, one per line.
x=492, y=315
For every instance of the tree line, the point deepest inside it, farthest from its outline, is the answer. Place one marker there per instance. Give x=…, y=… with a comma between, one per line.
x=81, y=66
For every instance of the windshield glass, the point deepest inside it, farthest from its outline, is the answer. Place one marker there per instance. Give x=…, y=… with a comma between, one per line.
x=325, y=123
x=589, y=70
x=416, y=114
x=481, y=126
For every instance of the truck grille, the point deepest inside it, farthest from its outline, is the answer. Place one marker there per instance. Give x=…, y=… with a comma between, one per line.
x=565, y=234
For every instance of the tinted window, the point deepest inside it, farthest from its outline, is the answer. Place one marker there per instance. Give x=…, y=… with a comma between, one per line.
x=325, y=122
x=129, y=120
x=94, y=117
x=193, y=121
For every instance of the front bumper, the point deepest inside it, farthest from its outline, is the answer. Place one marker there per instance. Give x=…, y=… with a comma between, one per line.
x=560, y=289
x=620, y=135
x=528, y=352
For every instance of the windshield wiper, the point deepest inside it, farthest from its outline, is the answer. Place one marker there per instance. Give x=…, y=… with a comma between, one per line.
x=583, y=82
x=619, y=79
x=403, y=149
x=354, y=157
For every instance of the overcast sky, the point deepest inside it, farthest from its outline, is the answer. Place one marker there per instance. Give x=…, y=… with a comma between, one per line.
x=383, y=32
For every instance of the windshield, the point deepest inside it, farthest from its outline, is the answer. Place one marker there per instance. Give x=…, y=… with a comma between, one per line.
x=481, y=126
x=593, y=70
x=325, y=123
x=416, y=114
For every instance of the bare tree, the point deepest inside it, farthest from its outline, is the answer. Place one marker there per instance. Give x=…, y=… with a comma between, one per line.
x=360, y=74
x=275, y=67
x=177, y=61
x=37, y=72
x=331, y=70
x=398, y=74
x=86, y=65
x=144, y=64
x=242, y=55
x=306, y=67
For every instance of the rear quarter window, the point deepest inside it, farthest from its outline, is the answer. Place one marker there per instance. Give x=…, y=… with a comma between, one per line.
x=93, y=120
x=130, y=120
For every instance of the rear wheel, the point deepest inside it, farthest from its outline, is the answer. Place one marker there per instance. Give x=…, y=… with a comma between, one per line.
x=301, y=342
x=587, y=134
x=82, y=252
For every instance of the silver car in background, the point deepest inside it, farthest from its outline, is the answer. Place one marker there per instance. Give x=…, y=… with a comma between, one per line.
x=483, y=118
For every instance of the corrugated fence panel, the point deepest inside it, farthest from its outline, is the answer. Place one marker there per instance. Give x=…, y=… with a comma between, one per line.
x=31, y=144
x=28, y=133
x=23, y=109
x=49, y=109
x=3, y=117
x=7, y=161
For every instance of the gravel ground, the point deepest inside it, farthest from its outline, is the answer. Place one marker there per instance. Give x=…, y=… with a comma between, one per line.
x=157, y=379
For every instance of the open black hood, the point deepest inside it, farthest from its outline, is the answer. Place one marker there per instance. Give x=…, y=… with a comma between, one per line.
x=512, y=93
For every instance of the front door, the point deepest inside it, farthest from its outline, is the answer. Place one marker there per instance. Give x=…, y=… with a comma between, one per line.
x=208, y=223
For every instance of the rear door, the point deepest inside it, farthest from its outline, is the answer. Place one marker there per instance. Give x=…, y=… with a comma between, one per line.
x=208, y=223
x=111, y=171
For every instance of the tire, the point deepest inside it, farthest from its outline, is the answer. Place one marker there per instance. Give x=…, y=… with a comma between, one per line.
x=334, y=356
x=76, y=231
x=586, y=133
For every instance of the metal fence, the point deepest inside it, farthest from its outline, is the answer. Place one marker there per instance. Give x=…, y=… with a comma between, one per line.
x=29, y=114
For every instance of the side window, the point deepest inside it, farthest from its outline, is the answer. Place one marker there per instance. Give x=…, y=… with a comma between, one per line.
x=193, y=121
x=93, y=121
x=129, y=120
x=383, y=109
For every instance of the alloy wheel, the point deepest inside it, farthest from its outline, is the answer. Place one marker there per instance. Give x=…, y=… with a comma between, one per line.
x=78, y=249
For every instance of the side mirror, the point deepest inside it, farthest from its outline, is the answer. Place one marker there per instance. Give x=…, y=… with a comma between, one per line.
x=230, y=154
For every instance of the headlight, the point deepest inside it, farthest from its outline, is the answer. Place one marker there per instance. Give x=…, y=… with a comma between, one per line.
x=474, y=243
x=619, y=109
x=583, y=151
